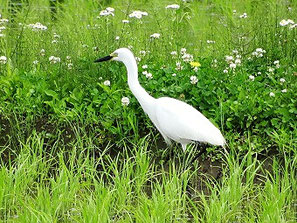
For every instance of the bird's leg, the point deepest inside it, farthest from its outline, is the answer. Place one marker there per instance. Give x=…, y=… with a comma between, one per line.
x=170, y=153
x=203, y=150
x=184, y=146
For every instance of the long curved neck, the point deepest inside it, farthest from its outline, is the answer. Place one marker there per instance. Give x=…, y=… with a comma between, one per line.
x=142, y=96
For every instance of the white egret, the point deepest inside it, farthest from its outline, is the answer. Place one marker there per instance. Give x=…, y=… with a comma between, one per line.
x=174, y=119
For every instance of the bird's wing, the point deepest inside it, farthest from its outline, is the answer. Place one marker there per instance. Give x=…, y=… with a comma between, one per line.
x=180, y=121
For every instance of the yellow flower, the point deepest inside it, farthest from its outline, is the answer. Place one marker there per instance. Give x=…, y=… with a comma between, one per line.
x=195, y=64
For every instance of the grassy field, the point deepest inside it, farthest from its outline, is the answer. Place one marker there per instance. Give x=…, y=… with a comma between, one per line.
x=72, y=151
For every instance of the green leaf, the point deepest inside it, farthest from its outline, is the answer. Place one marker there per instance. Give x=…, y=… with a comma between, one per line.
x=51, y=93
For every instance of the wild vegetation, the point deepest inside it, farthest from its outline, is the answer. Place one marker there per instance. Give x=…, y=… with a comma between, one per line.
x=76, y=146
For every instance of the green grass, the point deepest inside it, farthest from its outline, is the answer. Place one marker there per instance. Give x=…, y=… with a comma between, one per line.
x=71, y=152
x=77, y=185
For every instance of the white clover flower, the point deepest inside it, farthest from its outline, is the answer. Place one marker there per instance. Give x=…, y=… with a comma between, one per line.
x=35, y=62
x=125, y=101
x=85, y=46
x=259, y=73
x=187, y=57
x=173, y=6
x=293, y=26
x=271, y=94
x=194, y=79
x=3, y=59
x=243, y=16
x=149, y=76
x=210, y=41
x=55, y=41
x=232, y=65
x=178, y=66
x=258, y=52
x=117, y=38
x=37, y=27
x=252, y=78
x=58, y=59
x=174, y=74
x=54, y=60
x=142, y=52
x=173, y=53
x=106, y=12
x=276, y=62
x=234, y=11
x=144, y=72
x=2, y=35
x=155, y=35
x=238, y=61
x=144, y=66
x=282, y=80
x=284, y=90
x=56, y=36
x=225, y=71
x=138, y=59
x=109, y=9
x=137, y=14
x=42, y=52
x=4, y=21
x=183, y=50
x=125, y=21
x=68, y=58
x=106, y=83
x=195, y=69
x=2, y=28
x=270, y=69
x=235, y=51
x=70, y=66
x=95, y=48
x=229, y=59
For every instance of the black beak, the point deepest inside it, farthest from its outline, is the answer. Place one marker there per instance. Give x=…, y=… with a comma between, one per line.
x=103, y=59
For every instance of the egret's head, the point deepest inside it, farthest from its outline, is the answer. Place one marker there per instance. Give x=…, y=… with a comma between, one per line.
x=121, y=54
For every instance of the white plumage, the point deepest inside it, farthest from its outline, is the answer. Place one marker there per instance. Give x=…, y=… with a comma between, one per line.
x=174, y=119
